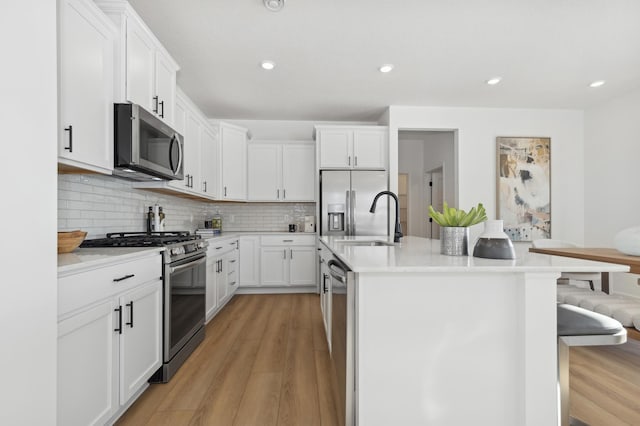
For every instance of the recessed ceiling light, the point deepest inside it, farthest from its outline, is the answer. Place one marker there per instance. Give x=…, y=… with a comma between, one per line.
x=597, y=83
x=268, y=65
x=493, y=81
x=274, y=5
x=386, y=68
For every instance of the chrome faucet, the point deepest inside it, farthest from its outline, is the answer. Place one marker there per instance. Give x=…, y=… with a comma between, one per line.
x=398, y=231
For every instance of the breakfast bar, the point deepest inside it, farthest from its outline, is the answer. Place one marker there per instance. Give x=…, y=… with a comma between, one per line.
x=428, y=334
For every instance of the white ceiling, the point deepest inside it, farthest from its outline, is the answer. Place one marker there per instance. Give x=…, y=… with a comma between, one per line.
x=327, y=54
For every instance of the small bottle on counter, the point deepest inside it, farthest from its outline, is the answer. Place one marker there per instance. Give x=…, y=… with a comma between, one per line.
x=161, y=214
x=150, y=220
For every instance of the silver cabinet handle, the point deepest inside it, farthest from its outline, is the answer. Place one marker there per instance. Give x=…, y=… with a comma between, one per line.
x=287, y=241
x=284, y=194
x=277, y=194
x=290, y=253
x=225, y=191
x=284, y=253
x=356, y=160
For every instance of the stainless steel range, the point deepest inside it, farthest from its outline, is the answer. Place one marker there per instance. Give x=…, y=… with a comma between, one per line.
x=184, y=285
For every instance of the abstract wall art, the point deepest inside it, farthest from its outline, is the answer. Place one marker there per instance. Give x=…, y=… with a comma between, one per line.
x=524, y=187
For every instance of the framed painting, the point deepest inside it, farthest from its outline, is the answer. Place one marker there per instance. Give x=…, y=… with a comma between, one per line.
x=524, y=187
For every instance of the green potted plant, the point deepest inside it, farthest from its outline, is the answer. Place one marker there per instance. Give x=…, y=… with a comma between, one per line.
x=454, y=227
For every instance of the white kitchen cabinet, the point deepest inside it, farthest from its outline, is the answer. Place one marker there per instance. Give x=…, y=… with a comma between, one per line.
x=298, y=172
x=146, y=71
x=302, y=265
x=109, y=337
x=209, y=159
x=88, y=366
x=222, y=267
x=249, y=259
x=233, y=146
x=352, y=147
x=85, y=79
x=287, y=261
x=192, y=155
x=141, y=337
x=281, y=172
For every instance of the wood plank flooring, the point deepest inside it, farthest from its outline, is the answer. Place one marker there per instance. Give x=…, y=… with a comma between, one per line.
x=264, y=362
x=605, y=384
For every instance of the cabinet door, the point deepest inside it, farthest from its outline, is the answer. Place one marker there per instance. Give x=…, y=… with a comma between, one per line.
x=209, y=162
x=140, y=66
x=165, y=88
x=87, y=365
x=274, y=266
x=141, y=339
x=192, y=156
x=369, y=148
x=86, y=85
x=212, y=295
x=335, y=148
x=234, y=163
x=264, y=163
x=302, y=265
x=298, y=172
x=249, y=254
x=221, y=281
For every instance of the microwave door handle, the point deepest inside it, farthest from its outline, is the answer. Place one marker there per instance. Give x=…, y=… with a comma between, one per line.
x=174, y=139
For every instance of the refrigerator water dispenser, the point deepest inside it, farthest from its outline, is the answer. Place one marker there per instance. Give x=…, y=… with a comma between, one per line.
x=336, y=217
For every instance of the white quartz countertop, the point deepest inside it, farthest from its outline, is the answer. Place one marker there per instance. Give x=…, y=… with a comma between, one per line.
x=415, y=254
x=90, y=258
x=232, y=234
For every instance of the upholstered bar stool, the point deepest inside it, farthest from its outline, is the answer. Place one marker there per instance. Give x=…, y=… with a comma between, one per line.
x=580, y=327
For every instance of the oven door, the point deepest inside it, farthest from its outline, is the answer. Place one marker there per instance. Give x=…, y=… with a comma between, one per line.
x=184, y=302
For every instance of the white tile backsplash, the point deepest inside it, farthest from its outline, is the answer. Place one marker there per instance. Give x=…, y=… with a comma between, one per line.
x=102, y=204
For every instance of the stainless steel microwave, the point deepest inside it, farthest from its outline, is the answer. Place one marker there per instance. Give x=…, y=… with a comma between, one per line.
x=145, y=147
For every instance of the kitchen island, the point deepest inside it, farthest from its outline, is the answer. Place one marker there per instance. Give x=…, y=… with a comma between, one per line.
x=448, y=340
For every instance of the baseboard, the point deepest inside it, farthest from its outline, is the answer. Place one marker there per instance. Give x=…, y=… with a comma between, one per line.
x=277, y=290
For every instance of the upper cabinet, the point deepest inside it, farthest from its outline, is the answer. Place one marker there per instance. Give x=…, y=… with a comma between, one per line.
x=146, y=73
x=281, y=171
x=352, y=147
x=86, y=59
x=233, y=154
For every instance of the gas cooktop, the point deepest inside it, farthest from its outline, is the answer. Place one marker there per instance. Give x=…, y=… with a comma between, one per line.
x=141, y=239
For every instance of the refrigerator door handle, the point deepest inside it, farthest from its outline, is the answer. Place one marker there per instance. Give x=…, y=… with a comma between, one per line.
x=352, y=212
x=347, y=216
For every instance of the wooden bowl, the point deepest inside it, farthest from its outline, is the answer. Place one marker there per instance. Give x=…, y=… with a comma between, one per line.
x=69, y=241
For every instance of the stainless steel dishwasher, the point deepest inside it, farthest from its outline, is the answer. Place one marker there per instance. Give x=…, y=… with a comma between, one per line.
x=342, y=337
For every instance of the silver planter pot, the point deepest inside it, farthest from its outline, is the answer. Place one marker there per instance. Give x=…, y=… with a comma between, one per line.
x=454, y=241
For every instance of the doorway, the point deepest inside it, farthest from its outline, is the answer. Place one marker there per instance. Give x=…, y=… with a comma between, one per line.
x=426, y=158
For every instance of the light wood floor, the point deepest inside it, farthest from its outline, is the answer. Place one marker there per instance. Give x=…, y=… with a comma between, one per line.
x=605, y=384
x=264, y=362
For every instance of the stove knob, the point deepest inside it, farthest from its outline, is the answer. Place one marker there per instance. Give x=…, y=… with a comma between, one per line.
x=175, y=251
x=200, y=245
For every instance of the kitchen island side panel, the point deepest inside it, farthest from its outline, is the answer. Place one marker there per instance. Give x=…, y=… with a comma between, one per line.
x=456, y=348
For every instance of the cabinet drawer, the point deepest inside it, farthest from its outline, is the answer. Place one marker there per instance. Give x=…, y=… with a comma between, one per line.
x=218, y=247
x=289, y=240
x=85, y=288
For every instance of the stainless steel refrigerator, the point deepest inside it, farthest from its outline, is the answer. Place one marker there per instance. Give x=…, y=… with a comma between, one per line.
x=346, y=197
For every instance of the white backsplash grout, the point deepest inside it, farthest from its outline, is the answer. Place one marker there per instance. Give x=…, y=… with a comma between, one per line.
x=102, y=204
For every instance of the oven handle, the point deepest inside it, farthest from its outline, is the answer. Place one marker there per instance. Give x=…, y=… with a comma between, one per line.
x=175, y=269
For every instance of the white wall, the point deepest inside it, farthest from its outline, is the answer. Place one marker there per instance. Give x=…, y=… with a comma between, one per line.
x=612, y=199
x=28, y=214
x=476, y=154
x=411, y=161
x=439, y=152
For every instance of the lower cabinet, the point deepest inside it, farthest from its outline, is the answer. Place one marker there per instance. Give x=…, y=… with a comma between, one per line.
x=110, y=341
x=288, y=261
x=222, y=273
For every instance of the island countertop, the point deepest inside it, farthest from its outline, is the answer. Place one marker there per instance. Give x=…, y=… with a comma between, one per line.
x=415, y=254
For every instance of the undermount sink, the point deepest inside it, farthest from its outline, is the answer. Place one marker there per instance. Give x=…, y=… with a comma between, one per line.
x=372, y=243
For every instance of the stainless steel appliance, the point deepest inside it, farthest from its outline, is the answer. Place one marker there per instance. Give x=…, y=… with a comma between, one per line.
x=342, y=337
x=146, y=148
x=345, y=198
x=184, y=286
